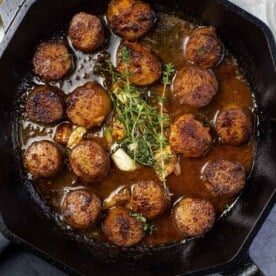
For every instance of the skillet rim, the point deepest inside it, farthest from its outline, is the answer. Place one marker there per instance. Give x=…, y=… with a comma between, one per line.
x=15, y=23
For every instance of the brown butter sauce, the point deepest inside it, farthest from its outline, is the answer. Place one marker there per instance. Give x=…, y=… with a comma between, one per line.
x=167, y=40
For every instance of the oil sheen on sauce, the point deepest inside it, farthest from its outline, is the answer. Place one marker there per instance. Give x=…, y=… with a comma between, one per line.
x=167, y=40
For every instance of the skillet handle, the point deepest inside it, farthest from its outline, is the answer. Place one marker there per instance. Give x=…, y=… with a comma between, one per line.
x=8, y=10
x=4, y=243
x=246, y=268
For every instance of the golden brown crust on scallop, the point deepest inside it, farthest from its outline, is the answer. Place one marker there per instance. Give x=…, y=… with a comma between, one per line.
x=43, y=159
x=45, y=105
x=204, y=48
x=148, y=198
x=194, y=86
x=89, y=161
x=193, y=217
x=189, y=136
x=234, y=125
x=224, y=178
x=130, y=19
x=88, y=105
x=52, y=61
x=86, y=32
x=121, y=228
x=144, y=67
x=81, y=208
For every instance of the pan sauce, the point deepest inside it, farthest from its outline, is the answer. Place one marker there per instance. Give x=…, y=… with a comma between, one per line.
x=167, y=40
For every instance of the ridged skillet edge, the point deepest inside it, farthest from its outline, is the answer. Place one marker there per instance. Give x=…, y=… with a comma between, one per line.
x=10, y=30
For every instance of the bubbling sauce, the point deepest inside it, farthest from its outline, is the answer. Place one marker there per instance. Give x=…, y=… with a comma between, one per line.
x=167, y=39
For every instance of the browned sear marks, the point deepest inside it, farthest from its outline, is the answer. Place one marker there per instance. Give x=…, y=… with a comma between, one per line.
x=81, y=208
x=234, y=125
x=52, y=61
x=86, y=32
x=130, y=19
x=143, y=66
x=121, y=228
x=193, y=217
x=45, y=105
x=224, y=178
x=149, y=198
x=43, y=159
x=88, y=105
x=89, y=161
x=189, y=136
x=194, y=86
x=204, y=48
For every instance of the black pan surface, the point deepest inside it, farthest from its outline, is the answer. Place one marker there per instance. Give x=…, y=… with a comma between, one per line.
x=21, y=218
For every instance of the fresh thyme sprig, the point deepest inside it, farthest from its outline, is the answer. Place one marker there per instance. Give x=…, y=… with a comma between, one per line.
x=168, y=74
x=144, y=125
x=125, y=55
x=147, y=226
x=166, y=80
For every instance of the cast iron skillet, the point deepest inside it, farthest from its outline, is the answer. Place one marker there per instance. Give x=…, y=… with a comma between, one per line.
x=227, y=244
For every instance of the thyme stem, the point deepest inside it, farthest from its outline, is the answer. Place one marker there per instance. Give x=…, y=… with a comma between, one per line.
x=166, y=79
x=144, y=125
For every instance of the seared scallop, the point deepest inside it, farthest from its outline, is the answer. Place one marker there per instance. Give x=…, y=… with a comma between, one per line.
x=45, y=105
x=121, y=228
x=81, y=208
x=43, y=159
x=130, y=19
x=234, y=125
x=148, y=198
x=86, y=32
x=194, y=86
x=189, y=136
x=204, y=48
x=89, y=161
x=138, y=62
x=88, y=105
x=193, y=217
x=52, y=61
x=224, y=178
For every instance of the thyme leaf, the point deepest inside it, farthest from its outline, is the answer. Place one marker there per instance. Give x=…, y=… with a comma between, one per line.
x=160, y=167
x=147, y=226
x=125, y=55
x=144, y=125
x=201, y=51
